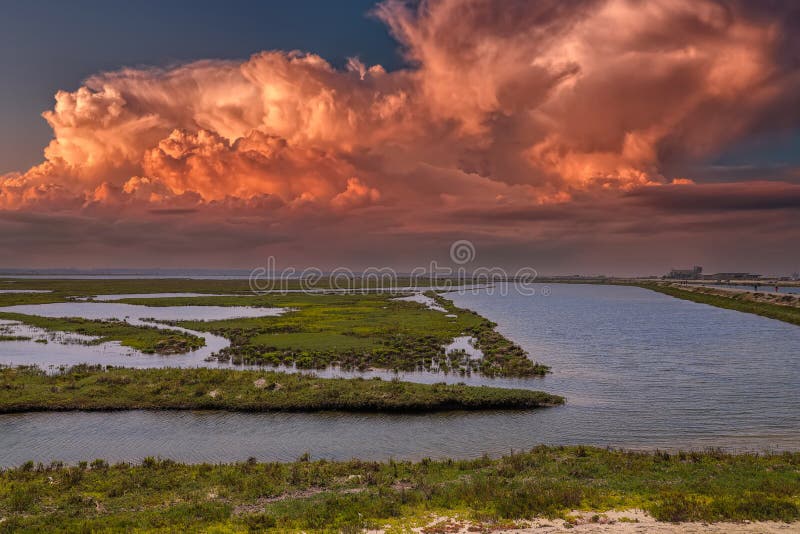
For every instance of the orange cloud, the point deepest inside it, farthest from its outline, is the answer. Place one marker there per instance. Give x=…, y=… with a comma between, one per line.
x=596, y=90
x=356, y=195
x=256, y=164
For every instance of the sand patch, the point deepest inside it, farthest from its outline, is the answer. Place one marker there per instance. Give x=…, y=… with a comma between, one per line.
x=614, y=522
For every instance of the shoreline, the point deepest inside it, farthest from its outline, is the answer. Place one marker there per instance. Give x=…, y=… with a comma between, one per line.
x=784, y=308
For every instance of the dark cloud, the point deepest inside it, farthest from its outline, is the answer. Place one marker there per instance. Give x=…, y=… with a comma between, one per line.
x=709, y=198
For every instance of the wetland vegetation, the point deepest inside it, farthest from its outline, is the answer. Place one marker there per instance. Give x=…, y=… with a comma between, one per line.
x=353, y=495
x=354, y=331
x=361, y=331
x=25, y=389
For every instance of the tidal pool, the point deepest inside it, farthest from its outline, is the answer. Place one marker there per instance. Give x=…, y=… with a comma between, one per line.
x=466, y=344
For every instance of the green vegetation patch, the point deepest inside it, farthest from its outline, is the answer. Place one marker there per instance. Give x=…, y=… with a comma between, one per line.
x=315, y=341
x=96, y=388
x=358, y=332
x=348, y=496
x=150, y=340
x=14, y=338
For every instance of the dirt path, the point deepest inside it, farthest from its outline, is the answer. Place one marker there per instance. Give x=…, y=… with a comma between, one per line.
x=623, y=522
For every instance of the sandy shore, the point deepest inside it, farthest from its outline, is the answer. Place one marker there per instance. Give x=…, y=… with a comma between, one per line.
x=621, y=522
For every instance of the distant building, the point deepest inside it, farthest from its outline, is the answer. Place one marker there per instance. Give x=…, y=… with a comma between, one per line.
x=695, y=273
x=795, y=276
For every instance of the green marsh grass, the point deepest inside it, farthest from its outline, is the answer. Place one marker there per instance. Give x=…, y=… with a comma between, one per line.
x=334, y=496
x=25, y=389
x=361, y=331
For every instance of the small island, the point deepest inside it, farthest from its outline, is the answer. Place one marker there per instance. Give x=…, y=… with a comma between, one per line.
x=28, y=389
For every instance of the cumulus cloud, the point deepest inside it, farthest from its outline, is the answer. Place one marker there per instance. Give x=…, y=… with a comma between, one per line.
x=356, y=195
x=509, y=108
x=598, y=90
x=256, y=164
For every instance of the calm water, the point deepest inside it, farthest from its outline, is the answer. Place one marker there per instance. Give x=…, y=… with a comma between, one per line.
x=639, y=369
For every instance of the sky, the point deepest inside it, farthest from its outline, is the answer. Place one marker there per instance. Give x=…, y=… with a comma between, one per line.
x=569, y=136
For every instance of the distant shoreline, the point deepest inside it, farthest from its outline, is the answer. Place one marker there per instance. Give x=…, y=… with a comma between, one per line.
x=784, y=307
